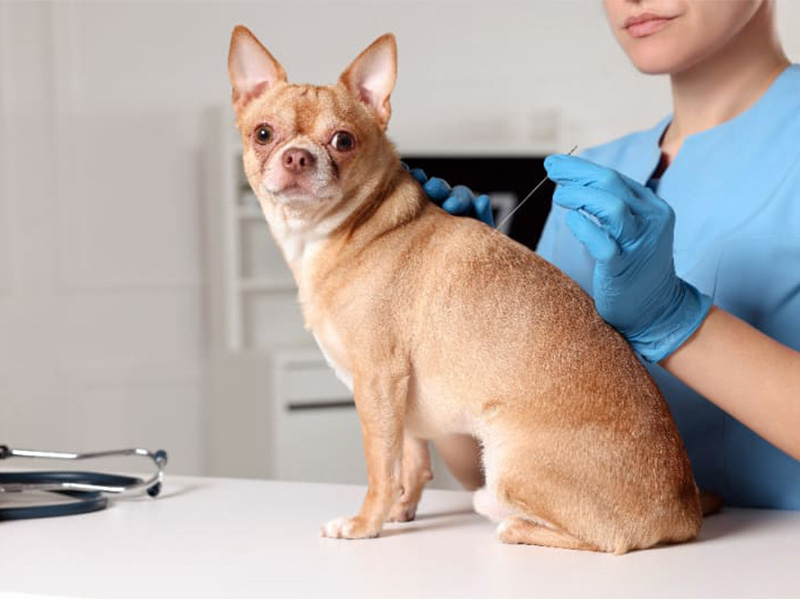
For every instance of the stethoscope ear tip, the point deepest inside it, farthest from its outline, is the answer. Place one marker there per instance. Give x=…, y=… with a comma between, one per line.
x=161, y=458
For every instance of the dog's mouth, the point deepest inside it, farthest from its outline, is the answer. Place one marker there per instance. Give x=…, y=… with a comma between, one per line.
x=298, y=195
x=307, y=187
x=295, y=191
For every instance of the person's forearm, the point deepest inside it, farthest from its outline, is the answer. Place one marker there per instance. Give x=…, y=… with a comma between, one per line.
x=747, y=374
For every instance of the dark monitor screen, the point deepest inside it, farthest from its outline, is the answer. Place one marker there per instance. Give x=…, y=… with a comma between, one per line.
x=506, y=179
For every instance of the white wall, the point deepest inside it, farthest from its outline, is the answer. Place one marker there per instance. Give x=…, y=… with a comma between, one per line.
x=101, y=249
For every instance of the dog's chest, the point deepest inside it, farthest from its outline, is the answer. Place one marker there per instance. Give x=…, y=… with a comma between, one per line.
x=325, y=334
x=332, y=347
x=431, y=411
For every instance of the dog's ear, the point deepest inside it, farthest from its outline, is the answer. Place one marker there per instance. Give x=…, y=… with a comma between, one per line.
x=372, y=75
x=251, y=68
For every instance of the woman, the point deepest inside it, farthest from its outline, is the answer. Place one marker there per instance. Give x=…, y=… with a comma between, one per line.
x=688, y=237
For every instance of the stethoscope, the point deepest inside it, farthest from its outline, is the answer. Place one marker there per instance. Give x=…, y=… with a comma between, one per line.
x=87, y=488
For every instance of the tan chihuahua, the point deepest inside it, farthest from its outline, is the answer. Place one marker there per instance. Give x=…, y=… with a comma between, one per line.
x=442, y=325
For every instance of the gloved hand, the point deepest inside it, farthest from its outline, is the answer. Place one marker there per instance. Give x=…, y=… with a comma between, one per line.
x=459, y=200
x=629, y=232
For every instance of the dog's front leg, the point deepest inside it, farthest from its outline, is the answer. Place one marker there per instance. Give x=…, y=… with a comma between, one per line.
x=380, y=400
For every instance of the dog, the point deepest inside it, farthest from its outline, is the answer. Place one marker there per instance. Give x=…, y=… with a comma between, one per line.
x=441, y=325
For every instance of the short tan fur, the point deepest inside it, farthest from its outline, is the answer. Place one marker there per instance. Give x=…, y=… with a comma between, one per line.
x=443, y=325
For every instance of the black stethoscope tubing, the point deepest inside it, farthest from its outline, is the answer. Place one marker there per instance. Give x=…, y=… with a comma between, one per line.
x=85, y=502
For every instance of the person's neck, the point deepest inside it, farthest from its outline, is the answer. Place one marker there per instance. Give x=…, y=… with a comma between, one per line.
x=725, y=84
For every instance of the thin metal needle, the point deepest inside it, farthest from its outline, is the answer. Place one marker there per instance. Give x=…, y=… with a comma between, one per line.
x=524, y=200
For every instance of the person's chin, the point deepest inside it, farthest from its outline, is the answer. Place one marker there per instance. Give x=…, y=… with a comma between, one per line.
x=656, y=59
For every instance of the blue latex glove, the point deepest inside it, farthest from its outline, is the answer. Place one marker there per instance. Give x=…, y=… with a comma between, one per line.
x=459, y=200
x=629, y=232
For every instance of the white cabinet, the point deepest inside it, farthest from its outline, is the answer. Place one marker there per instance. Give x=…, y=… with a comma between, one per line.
x=317, y=432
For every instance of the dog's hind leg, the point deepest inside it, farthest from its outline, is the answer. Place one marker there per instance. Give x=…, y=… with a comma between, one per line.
x=548, y=496
x=519, y=530
x=416, y=473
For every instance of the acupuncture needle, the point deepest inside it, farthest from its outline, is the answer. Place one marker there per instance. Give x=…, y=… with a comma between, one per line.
x=533, y=191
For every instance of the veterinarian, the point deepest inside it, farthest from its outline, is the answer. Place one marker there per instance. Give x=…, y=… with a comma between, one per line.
x=687, y=235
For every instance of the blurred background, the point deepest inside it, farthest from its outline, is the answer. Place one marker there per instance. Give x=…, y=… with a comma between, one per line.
x=142, y=301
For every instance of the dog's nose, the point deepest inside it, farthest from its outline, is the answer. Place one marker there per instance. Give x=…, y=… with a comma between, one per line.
x=298, y=160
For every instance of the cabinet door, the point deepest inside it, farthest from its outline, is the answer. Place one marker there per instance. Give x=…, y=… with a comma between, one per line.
x=318, y=434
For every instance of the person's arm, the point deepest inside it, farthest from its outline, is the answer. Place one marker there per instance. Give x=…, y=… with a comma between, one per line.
x=747, y=374
x=628, y=230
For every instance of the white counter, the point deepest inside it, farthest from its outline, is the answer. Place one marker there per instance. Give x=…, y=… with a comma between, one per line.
x=226, y=537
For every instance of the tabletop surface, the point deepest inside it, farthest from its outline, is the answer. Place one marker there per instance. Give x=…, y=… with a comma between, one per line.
x=206, y=537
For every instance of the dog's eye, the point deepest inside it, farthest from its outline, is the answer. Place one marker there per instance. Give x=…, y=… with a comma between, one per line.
x=342, y=141
x=263, y=134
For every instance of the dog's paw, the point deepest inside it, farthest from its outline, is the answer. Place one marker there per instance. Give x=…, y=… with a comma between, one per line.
x=355, y=528
x=402, y=512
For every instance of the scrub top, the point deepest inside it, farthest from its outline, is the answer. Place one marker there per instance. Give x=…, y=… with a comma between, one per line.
x=735, y=190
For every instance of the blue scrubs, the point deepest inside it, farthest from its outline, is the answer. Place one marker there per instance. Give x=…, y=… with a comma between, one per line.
x=735, y=190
